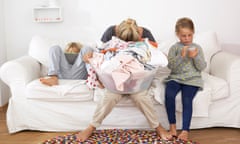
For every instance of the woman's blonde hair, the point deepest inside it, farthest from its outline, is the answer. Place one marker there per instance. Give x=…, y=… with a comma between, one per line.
x=74, y=45
x=184, y=23
x=127, y=30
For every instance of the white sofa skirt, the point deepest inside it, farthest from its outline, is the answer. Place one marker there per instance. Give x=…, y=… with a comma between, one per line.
x=26, y=114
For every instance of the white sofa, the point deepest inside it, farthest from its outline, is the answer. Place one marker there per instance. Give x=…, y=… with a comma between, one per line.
x=70, y=105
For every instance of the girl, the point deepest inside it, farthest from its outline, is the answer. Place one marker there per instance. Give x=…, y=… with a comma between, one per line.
x=186, y=61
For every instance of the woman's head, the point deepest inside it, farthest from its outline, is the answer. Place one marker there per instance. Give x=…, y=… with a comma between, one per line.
x=184, y=29
x=73, y=47
x=127, y=30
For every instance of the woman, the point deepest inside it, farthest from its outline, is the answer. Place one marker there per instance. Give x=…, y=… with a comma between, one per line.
x=127, y=31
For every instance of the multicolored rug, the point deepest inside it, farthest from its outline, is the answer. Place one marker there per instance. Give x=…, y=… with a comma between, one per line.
x=117, y=136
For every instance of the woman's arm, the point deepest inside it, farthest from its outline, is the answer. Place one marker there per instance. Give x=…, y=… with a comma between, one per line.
x=107, y=35
x=147, y=34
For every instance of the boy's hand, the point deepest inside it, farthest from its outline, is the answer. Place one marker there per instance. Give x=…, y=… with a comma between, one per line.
x=87, y=56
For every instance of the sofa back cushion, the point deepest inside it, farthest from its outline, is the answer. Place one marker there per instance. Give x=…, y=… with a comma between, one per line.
x=38, y=49
x=39, y=46
x=207, y=40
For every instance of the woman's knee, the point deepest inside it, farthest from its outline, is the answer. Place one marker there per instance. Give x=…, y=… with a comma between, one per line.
x=109, y=96
x=141, y=96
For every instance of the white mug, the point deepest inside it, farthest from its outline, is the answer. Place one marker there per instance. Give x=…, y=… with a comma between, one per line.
x=191, y=48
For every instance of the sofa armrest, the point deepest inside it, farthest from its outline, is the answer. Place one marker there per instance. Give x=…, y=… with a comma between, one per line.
x=227, y=66
x=20, y=71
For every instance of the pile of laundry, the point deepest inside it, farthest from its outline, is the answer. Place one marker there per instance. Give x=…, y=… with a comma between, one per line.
x=125, y=67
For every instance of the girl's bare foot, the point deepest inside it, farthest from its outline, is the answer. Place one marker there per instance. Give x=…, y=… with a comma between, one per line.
x=50, y=81
x=173, y=130
x=183, y=135
x=163, y=133
x=85, y=134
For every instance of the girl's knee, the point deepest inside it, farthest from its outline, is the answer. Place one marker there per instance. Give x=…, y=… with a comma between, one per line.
x=170, y=95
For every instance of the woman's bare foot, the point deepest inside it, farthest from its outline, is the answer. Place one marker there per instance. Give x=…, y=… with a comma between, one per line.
x=85, y=134
x=163, y=133
x=50, y=81
x=173, y=130
x=183, y=135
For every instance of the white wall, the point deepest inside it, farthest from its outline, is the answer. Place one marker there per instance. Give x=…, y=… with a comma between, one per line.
x=87, y=19
x=3, y=88
x=2, y=35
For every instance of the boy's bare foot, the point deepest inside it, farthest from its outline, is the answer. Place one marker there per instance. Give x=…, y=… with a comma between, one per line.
x=50, y=81
x=173, y=130
x=85, y=134
x=183, y=135
x=163, y=133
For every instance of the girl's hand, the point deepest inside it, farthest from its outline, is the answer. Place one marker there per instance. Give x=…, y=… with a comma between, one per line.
x=87, y=56
x=184, y=51
x=192, y=53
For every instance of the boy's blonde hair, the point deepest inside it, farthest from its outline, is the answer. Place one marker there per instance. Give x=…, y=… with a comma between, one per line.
x=127, y=30
x=74, y=44
x=184, y=23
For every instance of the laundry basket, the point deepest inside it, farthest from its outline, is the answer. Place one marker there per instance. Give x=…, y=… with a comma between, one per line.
x=136, y=83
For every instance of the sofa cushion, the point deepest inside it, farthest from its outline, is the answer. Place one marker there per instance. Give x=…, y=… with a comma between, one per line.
x=201, y=102
x=67, y=90
x=214, y=89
